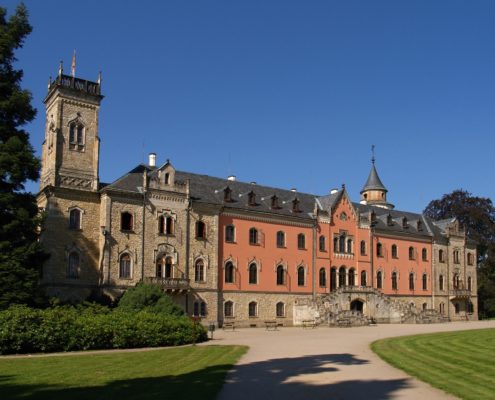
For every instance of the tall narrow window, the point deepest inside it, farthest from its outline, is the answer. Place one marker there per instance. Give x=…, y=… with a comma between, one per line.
x=379, y=280
x=363, y=248
x=169, y=270
x=425, y=282
x=230, y=233
x=159, y=268
x=253, y=274
x=335, y=244
x=126, y=221
x=167, y=179
x=379, y=250
x=125, y=266
x=469, y=283
x=351, y=277
x=280, y=275
x=349, y=246
x=322, y=243
x=342, y=244
x=323, y=277
x=169, y=225
x=394, y=280
x=251, y=199
x=394, y=251
x=75, y=219
x=161, y=224
x=342, y=275
x=411, y=253
x=202, y=309
x=411, y=281
x=76, y=136
x=73, y=267
x=456, y=256
x=280, y=239
x=424, y=254
x=456, y=281
x=333, y=278
x=440, y=282
x=253, y=309
x=280, y=310
x=228, y=309
x=274, y=203
x=253, y=236
x=199, y=271
x=229, y=272
x=363, y=278
x=200, y=230
x=441, y=256
x=470, y=259
x=295, y=206
x=300, y=276
x=80, y=135
x=301, y=241
x=227, y=195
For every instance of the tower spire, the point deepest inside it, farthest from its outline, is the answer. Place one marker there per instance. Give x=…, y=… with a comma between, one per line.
x=373, y=154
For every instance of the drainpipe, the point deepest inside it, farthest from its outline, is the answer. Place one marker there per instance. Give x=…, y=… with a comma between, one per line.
x=143, y=192
x=188, y=230
x=314, y=261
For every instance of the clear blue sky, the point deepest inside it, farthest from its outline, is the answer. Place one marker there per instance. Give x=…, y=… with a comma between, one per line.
x=285, y=93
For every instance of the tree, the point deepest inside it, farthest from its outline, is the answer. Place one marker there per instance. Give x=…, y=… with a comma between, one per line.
x=21, y=255
x=477, y=215
x=148, y=297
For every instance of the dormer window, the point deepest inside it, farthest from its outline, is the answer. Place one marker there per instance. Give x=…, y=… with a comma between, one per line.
x=251, y=199
x=419, y=226
x=390, y=221
x=373, y=218
x=295, y=206
x=404, y=223
x=76, y=136
x=274, y=203
x=167, y=179
x=227, y=195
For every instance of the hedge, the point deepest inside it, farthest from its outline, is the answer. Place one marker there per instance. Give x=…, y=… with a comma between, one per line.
x=28, y=330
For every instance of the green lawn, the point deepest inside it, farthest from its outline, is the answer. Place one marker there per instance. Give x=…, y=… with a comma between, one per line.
x=176, y=373
x=461, y=363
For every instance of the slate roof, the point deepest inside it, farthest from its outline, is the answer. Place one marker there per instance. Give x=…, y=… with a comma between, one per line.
x=373, y=182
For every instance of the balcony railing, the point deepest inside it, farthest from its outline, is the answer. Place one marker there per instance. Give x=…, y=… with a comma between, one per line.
x=346, y=256
x=169, y=283
x=460, y=292
x=75, y=83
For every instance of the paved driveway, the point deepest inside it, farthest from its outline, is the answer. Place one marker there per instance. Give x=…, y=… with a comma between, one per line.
x=324, y=363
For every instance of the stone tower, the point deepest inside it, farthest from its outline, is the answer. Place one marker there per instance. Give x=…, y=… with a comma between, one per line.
x=374, y=191
x=70, y=153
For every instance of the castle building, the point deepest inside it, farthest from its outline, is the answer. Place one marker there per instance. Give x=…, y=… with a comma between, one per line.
x=232, y=251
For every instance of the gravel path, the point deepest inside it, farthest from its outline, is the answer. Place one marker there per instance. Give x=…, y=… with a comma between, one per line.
x=325, y=363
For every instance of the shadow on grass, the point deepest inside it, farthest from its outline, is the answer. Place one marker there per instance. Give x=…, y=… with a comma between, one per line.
x=269, y=379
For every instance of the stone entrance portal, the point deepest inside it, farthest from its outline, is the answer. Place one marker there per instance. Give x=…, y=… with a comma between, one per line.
x=357, y=305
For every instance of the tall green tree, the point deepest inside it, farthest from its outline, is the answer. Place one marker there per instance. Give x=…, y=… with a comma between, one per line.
x=477, y=215
x=21, y=255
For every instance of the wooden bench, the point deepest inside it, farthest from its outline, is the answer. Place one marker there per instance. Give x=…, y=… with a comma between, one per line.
x=309, y=323
x=228, y=325
x=271, y=325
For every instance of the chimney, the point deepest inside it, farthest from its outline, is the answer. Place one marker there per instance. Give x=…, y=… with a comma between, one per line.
x=152, y=159
x=231, y=178
x=333, y=191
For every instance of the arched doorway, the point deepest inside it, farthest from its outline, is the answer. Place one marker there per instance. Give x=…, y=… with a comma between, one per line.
x=357, y=305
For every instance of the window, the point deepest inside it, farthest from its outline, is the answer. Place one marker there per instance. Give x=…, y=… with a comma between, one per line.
x=253, y=309
x=424, y=255
x=200, y=230
x=199, y=309
x=199, y=271
x=228, y=309
x=456, y=256
x=73, y=267
x=442, y=308
x=457, y=308
x=379, y=280
x=322, y=243
x=411, y=281
x=280, y=275
x=349, y=246
x=336, y=244
x=470, y=259
x=166, y=225
x=363, y=248
x=419, y=226
x=341, y=276
x=229, y=272
x=227, y=195
x=379, y=250
x=125, y=266
x=333, y=278
x=167, y=179
x=126, y=221
x=411, y=253
x=280, y=239
x=390, y=221
x=323, y=277
x=301, y=241
x=441, y=256
x=440, y=282
x=394, y=251
x=280, y=310
x=169, y=267
x=404, y=223
x=253, y=274
x=394, y=280
x=159, y=269
x=230, y=233
x=295, y=206
x=274, y=203
x=351, y=277
x=300, y=276
x=253, y=236
x=456, y=281
x=425, y=282
x=75, y=219
x=76, y=136
x=469, y=283
x=363, y=278
x=342, y=244
x=424, y=306
x=251, y=199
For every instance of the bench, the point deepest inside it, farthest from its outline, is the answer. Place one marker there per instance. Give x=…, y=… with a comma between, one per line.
x=309, y=323
x=271, y=325
x=228, y=325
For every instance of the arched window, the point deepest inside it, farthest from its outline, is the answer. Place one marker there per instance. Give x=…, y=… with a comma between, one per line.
x=394, y=251
x=76, y=136
x=470, y=259
x=424, y=306
x=441, y=256
x=342, y=276
x=411, y=253
x=199, y=271
x=253, y=309
x=342, y=244
x=335, y=244
x=228, y=309
x=125, y=266
x=126, y=221
x=73, y=266
x=333, y=278
x=323, y=277
x=363, y=248
x=469, y=283
x=229, y=272
x=200, y=230
x=280, y=310
x=253, y=274
x=253, y=236
x=424, y=254
x=425, y=282
x=456, y=256
x=394, y=280
x=351, y=277
x=411, y=281
x=301, y=241
x=322, y=243
x=379, y=280
x=159, y=268
x=280, y=275
x=456, y=281
x=75, y=219
x=230, y=233
x=227, y=195
x=169, y=267
x=300, y=276
x=440, y=282
x=280, y=239
x=363, y=278
x=349, y=246
x=379, y=250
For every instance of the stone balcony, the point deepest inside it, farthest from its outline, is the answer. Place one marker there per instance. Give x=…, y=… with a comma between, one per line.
x=343, y=256
x=460, y=293
x=170, y=284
